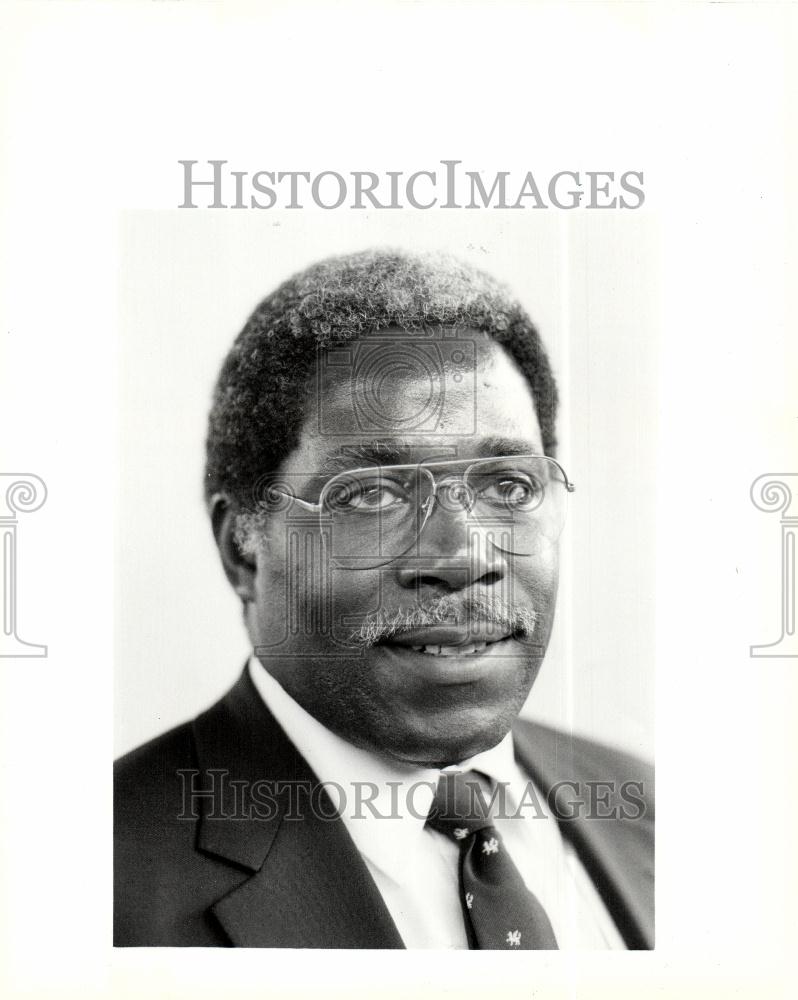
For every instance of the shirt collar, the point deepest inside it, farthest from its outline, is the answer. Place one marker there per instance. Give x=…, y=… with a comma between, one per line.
x=401, y=796
x=498, y=763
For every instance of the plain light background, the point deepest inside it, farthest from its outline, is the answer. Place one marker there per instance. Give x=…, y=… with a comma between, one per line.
x=101, y=102
x=188, y=280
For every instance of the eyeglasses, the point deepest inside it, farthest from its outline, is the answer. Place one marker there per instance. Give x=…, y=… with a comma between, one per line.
x=372, y=516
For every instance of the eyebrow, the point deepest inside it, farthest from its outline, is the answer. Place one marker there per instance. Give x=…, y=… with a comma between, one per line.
x=379, y=452
x=490, y=446
x=401, y=451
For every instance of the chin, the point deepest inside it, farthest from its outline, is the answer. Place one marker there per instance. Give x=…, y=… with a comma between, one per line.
x=453, y=740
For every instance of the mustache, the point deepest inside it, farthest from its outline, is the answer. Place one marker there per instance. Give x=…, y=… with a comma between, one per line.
x=476, y=610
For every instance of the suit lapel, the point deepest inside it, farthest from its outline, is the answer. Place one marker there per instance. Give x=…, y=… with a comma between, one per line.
x=617, y=853
x=304, y=883
x=313, y=891
x=301, y=883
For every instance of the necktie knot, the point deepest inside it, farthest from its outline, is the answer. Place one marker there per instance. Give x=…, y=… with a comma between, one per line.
x=459, y=808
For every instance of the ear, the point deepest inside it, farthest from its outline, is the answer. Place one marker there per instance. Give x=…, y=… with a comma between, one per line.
x=240, y=569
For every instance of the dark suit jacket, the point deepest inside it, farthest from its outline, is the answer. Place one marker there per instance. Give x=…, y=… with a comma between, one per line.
x=215, y=872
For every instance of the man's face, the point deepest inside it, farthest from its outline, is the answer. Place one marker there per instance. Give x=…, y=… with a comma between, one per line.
x=401, y=695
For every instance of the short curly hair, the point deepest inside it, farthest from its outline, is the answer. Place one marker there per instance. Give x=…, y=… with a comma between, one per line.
x=258, y=403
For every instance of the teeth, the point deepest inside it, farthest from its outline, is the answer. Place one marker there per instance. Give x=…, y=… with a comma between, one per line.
x=463, y=648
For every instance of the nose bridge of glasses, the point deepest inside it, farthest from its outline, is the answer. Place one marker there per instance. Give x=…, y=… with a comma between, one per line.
x=452, y=492
x=450, y=520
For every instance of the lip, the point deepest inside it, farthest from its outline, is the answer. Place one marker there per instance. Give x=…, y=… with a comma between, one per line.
x=449, y=635
x=466, y=668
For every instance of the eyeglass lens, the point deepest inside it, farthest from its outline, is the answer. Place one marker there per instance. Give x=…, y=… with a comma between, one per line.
x=374, y=516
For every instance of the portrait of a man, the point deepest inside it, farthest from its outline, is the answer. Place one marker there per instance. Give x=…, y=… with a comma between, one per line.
x=383, y=486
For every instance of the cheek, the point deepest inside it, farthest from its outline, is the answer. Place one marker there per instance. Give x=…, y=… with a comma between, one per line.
x=538, y=576
x=547, y=566
x=297, y=586
x=353, y=594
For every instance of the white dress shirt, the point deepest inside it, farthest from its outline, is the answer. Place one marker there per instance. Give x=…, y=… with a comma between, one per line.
x=384, y=806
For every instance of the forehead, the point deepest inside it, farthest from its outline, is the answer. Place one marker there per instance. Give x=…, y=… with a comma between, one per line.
x=397, y=396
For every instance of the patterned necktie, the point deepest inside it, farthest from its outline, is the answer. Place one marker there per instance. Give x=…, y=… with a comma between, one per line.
x=499, y=911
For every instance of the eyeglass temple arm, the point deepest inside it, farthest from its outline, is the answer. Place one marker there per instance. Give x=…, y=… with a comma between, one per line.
x=303, y=503
x=569, y=486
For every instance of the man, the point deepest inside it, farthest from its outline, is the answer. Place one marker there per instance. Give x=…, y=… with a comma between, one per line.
x=383, y=489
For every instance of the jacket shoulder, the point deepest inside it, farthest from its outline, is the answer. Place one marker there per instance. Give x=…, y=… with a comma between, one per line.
x=581, y=758
x=171, y=748
x=147, y=781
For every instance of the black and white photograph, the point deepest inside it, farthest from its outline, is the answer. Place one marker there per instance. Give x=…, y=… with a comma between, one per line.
x=386, y=483
x=398, y=499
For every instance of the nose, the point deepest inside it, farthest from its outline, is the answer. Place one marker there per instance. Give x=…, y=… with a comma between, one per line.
x=454, y=551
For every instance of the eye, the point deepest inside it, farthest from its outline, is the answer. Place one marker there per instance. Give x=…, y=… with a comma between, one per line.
x=371, y=496
x=514, y=492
